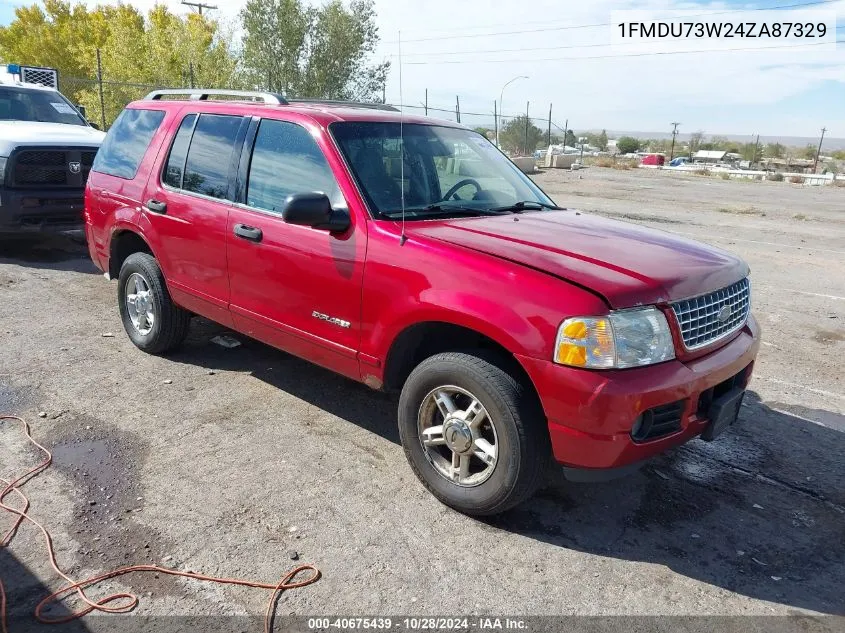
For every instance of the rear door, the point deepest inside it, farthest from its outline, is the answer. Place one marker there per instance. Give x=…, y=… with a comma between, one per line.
x=295, y=287
x=186, y=207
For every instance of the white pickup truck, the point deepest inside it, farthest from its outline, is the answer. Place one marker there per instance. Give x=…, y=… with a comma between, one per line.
x=46, y=151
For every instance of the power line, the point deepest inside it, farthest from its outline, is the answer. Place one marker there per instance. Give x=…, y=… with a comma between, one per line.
x=588, y=26
x=538, y=48
x=555, y=59
x=548, y=23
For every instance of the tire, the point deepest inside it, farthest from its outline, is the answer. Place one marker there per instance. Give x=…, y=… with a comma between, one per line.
x=170, y=324
x=518, y=426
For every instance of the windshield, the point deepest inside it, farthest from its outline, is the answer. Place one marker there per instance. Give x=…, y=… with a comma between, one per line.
x=22, y=104
x=447, y=171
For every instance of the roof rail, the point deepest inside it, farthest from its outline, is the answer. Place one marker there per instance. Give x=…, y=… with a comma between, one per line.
x=346, y=104
x=269, y=98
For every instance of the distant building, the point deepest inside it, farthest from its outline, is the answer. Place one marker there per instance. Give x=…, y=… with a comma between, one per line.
x=709, y=156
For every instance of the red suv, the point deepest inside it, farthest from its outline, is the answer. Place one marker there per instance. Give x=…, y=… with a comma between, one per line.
x=411, y=255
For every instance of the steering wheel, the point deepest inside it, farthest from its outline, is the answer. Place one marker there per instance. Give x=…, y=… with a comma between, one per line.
x=466, y=181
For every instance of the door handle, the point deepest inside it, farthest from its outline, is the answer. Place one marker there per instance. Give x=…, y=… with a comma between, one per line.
x=248, y=232
x=156, y=207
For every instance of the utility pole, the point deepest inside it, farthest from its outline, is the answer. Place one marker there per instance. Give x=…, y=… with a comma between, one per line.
x=199, y=6
x=674, y=134
x=191, y=73
x=819, y=150
x=756, y=149
x=100, y=88
x=565, y=129
x=496, y=121
x=426, y=101
x=527, y=123
x=549, y=136
x=458, y=108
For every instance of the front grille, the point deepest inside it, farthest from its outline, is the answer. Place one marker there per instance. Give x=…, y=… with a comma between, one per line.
x=706, y=319
x=46, y=167
x=87, y=161
x=42, y=167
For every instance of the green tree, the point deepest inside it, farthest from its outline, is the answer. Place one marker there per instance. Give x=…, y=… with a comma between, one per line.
x=774, y=150
x=809, y=152
x=601, y=142
x=695, y=141
x=627, y=144
x=513, y=136
x=748, y=152
x=305, y=51
x=138, y=52
x=54, y=35
x=597, y=140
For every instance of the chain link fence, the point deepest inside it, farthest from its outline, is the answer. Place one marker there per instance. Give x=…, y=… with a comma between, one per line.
x=102, y=99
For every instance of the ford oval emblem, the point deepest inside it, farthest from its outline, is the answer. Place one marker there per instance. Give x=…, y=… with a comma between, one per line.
x=724, y=314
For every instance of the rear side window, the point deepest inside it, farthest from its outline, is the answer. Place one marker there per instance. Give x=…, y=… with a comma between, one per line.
x=286, y=160
x=210, y=154
x=127, y=142
x=179, y=152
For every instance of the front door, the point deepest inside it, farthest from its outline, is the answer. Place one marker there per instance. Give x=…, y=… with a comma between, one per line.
x=295, y=287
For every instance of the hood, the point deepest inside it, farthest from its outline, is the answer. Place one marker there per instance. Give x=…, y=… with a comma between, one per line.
x=626, y=263
x=35, y=133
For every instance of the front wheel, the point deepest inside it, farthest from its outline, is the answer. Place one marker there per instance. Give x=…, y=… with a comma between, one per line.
x=473, y=434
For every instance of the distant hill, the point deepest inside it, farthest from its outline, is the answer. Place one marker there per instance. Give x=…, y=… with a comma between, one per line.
x=829, y=145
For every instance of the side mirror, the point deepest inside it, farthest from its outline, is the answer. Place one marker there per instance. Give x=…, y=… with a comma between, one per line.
x=81, y=109
x=314, y=210
x=93, y=125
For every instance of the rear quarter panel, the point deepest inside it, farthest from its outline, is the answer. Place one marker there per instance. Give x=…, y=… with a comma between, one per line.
x=113, y=204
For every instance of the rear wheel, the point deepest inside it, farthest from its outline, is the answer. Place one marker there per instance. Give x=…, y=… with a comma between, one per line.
x=152, y=320
x=472, y=433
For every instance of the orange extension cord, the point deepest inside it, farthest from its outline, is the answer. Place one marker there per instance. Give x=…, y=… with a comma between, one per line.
x=127, y=601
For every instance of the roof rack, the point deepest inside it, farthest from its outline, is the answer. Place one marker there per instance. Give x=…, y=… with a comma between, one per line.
x=269, y=98
x=345, y=104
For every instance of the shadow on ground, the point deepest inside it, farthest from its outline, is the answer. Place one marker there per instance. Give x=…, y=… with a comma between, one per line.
x=759, y=512
x=24, y=591
x=60, y=251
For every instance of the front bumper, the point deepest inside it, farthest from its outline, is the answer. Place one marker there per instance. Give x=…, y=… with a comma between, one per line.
x=591, y=413
x=39, y=210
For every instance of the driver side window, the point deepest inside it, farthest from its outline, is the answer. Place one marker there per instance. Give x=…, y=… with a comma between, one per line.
x=286, y=160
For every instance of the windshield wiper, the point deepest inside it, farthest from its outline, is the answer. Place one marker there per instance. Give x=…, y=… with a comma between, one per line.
x=527, y=205
x=439, y=207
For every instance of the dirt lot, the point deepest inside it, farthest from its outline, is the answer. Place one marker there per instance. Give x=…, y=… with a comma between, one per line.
x=224, y=460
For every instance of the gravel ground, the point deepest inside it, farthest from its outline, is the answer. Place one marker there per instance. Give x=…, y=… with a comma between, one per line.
x=231, y=461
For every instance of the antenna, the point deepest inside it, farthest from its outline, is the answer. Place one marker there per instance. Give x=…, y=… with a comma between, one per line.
x=403, y=238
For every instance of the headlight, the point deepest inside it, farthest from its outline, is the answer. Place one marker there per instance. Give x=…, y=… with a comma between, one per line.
x=629, y=338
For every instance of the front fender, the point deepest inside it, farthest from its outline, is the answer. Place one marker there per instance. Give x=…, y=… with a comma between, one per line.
x=519, y=308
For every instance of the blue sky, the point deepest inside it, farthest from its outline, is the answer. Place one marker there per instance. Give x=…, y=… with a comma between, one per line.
x=771, y=92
